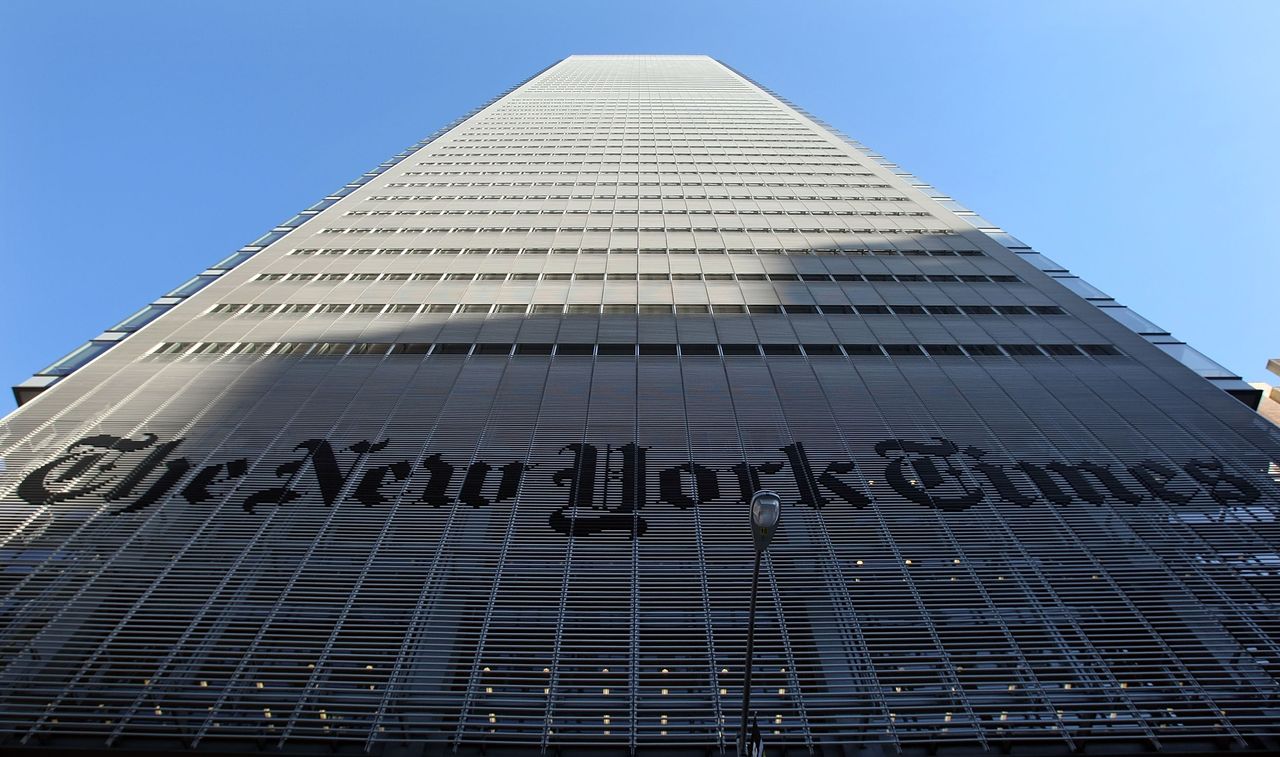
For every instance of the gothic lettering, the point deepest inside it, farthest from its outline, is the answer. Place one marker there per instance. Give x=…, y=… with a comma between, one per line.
x=576, y=517
x=925, y=476
x=606, y=488
x=1082, y=478
x=1156, y=479
x=1225, y=488
x=197, y=490
x=88, y=459
x=438, y=483
x=671, y=485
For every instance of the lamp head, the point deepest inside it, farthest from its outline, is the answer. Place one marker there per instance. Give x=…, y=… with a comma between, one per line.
x=766, y=509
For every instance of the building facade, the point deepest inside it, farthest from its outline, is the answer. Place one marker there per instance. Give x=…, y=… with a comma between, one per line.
x=459, y=458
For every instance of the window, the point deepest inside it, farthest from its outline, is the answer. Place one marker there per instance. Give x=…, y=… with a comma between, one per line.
x=426, y=277
x=460, y=276
x=978, y=309
x=291, y=348
x=557, y=276
x=1022, y=349
x=654, y=277
x=655, y=310
x=657, y=349
x=908, y=310
x=619, y=309
x=410, y=349
x=364, y=276
x=903, y=350
x=943, y=309
x=822, y=349
x=582, y=309
x=533, y=349
x=509, y=309
x=699, y=350
x=740, y=349
x=781, y=349
x=440, y=308
x=692, y=309
x=616, y=349
x=982, y=349
x=403, y=308
x=451, y=348
x=575, y=349
x=761, y=309
x=873, y=309
x=1061, y=350
x=1099, y=349
x=799, y=309
x=474, y=308
x=943, y=349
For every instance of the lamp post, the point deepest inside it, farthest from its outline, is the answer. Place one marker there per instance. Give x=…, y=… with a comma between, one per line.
x=766, y=508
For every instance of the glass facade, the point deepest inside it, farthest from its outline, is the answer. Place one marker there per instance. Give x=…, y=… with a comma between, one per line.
x=463, y=461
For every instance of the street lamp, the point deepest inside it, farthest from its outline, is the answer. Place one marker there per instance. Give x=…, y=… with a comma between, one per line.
x=766, y=508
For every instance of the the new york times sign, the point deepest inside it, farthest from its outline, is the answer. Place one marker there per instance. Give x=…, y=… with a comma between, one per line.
x=606, y=490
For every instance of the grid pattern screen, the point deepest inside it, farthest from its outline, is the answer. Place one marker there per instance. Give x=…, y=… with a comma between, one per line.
x=465, y=459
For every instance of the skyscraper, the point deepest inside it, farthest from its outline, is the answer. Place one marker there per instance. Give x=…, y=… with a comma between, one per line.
x=459, y=457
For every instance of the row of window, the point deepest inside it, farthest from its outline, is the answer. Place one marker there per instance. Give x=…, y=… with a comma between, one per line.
x=654, y=136
x=851, y=251
x=650, y=136
x=663, y=162
x=825, y=153
x=608, y=217
x=637, y=183
x=614, y=168
x=773, y=196
x=625, y=230
x=582, y=349
x=808, y=277
x=299, y=308
x=603, y=215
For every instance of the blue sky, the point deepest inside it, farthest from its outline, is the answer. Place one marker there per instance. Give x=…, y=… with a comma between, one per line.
x=1132, y=141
